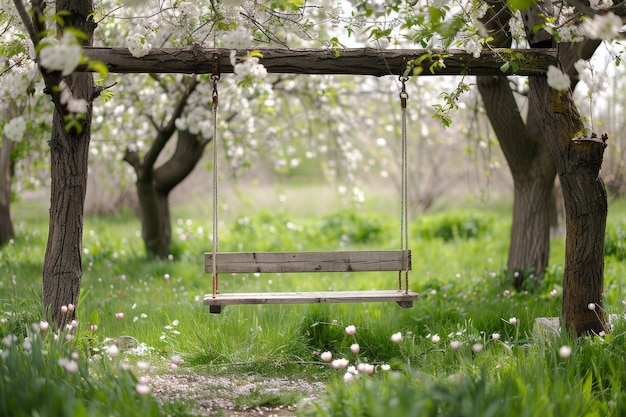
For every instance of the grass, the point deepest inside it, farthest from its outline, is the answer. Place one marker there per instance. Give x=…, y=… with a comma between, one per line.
x=458, y=260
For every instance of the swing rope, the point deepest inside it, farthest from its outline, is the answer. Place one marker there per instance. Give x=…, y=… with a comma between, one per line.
x=404, y=217
x=404, y=234
x=215, y=76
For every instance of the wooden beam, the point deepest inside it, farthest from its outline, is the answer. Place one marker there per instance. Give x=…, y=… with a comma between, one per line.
x=404, y=299
x=285, y=262
x=196, y=59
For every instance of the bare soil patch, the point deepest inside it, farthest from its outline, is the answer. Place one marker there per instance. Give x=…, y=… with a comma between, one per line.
x=221, y=395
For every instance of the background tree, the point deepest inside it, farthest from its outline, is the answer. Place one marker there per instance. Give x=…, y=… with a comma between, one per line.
x=523, y=143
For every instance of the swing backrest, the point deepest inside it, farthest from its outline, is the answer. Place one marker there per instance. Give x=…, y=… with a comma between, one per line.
x=285, y=262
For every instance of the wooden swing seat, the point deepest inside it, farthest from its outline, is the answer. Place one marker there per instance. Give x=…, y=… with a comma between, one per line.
x=288, y=262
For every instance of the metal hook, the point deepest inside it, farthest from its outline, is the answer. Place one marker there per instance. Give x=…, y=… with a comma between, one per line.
x=215, y=76
x=404, y=96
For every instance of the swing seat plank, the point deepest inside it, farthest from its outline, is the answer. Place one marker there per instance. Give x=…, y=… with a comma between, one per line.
x=285, y=262
x=404, y=299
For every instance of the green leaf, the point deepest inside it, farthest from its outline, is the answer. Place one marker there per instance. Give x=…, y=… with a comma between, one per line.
x=436, y=14
x=505, y=67
x=99, y=67
x=94, y=317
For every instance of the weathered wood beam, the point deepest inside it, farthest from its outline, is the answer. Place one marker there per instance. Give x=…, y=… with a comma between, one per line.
x=363, y=61
x=285, y=262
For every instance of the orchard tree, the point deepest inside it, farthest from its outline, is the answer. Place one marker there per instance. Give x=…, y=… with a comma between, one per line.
x=522, y=139
x=21, y=123
x=58, y=36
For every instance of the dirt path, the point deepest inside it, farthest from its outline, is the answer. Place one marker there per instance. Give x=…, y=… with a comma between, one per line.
x=212, y=394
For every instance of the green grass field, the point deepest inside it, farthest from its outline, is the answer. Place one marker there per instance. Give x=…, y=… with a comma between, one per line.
x=467, y=346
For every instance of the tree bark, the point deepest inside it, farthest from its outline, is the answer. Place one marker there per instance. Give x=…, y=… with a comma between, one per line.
x=62, y=271
x=6, y=176
x=578, y=161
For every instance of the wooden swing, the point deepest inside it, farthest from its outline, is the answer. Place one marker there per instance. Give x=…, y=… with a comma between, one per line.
x=287, y=262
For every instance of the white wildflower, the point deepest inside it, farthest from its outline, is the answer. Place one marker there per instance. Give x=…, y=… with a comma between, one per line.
x=113, y=351
x=565, y=351
x=396, y=337
x=340, y=363
x=143, y=389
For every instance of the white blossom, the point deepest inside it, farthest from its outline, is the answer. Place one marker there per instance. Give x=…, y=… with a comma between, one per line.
x=600, y=4
x=133, y=3
x=15, y=129
x=73, y=105
x=557, y=80
x=595, y=81
x=233, y=3
x=63, y=55
x=239, y=38
x=516, y=25
x=571, y=33
x=602, y=26
x=471, y=45
x=138, y=45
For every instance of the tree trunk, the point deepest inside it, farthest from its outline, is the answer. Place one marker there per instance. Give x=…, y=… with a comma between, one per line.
x=69, y=152
x=6, y=176
x=156, y=229
x=154, y=186
x=533, y=172
x=578, y=161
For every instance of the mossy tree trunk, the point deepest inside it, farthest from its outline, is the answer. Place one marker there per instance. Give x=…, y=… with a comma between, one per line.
x=578, y=160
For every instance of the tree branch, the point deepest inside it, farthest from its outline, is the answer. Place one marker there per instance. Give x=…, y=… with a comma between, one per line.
x=21, y=10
